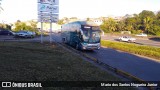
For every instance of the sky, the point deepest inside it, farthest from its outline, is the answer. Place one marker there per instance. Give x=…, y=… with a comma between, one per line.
x=27, y=9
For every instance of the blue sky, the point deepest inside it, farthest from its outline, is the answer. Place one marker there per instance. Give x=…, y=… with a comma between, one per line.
x=27, y=9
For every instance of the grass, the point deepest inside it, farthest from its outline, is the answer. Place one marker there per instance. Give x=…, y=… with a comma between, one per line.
x=148, y=51
x=44, y=62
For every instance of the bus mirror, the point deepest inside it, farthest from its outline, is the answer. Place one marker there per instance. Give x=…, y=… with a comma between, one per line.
x=80, y=36
x=81, y=31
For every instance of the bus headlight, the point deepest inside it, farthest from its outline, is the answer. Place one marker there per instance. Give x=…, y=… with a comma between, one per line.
x=84, y=45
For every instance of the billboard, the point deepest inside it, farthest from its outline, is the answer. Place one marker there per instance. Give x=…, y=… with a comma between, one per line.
x=53, y=2
x=52, y=18
x=48, y=10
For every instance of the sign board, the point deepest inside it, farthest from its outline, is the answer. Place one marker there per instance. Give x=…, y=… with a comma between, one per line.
x=48, y=10
x=45, y=14
x=53, y=18
x=53, y=2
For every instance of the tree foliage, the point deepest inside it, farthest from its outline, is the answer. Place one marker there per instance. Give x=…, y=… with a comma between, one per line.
x=30, y=26
x=60, y=22
x=5, y=26
x=109, y=25
x=146, y=21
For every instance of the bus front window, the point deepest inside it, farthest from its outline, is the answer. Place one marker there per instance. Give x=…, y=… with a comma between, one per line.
x=91, y=34
x=95, y=37
x=86, y=35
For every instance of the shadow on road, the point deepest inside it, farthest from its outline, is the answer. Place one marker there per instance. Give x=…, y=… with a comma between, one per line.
x=116, y=39
x=155, y=39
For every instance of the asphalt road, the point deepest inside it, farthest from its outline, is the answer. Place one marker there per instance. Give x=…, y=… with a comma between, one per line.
x=141, y=67
x=142, y=41
x=139, y=40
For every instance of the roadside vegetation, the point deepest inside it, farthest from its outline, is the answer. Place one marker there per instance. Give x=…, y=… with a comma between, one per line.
x=44, y=62
x=146, y=22
x=148, y=51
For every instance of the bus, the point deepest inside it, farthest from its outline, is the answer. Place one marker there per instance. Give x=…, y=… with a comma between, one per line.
x=83, y=35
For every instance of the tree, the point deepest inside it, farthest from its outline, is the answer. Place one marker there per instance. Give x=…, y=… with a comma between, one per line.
x=131, y=23
x=73, y=18
x=88, y=19
x=60, y=22
x=147, y=22
x=66, y=19
x=155, y=30
x=146, y=13
x=158, y=15
x=109, y=25
x=120, y=25
x=19, y=25
x=30, y=26
x=33, y=26
x=147, y=19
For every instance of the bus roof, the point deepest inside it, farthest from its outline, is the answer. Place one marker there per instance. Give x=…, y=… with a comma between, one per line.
x=85, y=23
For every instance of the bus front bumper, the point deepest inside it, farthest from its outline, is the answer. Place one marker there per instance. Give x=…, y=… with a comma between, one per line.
x=91, y=46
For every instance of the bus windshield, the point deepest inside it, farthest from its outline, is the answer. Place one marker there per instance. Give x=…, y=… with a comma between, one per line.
x=91, y=36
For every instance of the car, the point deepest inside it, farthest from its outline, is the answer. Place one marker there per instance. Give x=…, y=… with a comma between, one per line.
x=6, y=32
x=127, y=39
x=142, y=35
x=25, y=34
x=33, y=34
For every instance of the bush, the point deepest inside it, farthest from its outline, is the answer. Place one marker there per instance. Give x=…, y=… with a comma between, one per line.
x=136, y=31
x=133, y=48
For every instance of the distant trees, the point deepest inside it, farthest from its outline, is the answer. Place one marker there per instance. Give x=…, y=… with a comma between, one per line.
x=67, y=20
x=30, y=25
x=5, y=26
x=60, y=22
x=109, y=25
x=146, y=21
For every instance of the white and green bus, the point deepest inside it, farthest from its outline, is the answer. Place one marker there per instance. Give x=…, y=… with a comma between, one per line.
x=83, y=35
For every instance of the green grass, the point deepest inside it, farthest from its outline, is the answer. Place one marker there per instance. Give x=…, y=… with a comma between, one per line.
x=44, y=62
x=148, y=51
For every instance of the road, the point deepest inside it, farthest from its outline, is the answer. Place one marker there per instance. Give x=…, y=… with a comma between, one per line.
x=141, y=67
x=140, y=40
x=143, y=41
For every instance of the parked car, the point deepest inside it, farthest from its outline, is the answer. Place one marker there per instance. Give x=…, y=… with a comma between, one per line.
x=127, y=39
x=6, y=32
x=142, y=35
x=26, y=34
x=33, y=34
